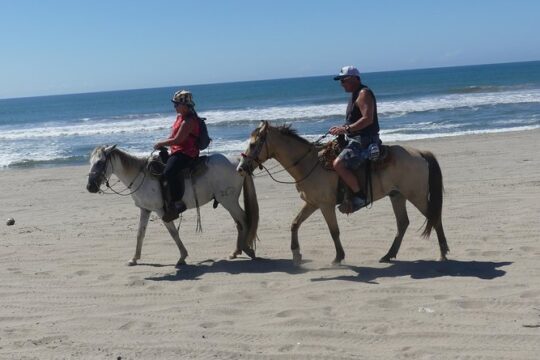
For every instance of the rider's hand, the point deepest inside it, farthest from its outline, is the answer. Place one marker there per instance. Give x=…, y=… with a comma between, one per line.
x=337, y=130
x=158, y=145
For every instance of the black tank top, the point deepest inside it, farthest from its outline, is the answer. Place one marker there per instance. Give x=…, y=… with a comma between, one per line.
x=353, y=114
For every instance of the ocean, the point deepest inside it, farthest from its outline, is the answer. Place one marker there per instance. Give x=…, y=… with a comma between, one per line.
x=413, y=104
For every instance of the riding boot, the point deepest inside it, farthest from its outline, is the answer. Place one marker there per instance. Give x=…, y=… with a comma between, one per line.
x=169, y=208
x=352, y=202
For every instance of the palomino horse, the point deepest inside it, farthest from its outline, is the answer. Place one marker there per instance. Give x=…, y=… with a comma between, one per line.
x=411, y=175
x=220, y=182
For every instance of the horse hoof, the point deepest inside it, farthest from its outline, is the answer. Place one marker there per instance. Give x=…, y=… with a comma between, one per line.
x=336, y=262
x=132, y=262
x=180, y=263
x=443, y=258
x=250, y=253
x=235, y=254
x=385, y=259
x=297, y=259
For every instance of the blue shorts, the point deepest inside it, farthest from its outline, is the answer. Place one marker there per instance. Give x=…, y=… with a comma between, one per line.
x=354, y=155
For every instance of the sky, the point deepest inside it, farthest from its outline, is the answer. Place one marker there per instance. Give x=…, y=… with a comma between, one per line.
x=72, y=46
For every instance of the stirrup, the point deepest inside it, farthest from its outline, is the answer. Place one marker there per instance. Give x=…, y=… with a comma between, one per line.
x=180, y=206
x=352, y=205
x=171, y=213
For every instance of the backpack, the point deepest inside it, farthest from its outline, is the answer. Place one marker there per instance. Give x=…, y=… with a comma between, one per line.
x=204, y=139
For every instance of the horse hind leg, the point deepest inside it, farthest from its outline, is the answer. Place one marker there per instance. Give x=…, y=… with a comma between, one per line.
x=239, y=217
x=402, y=221
x=443, y=245
x=422, y=206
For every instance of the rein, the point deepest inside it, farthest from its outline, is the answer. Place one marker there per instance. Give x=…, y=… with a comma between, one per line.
x=128, y=188
x=295, y=163
x=289, y=167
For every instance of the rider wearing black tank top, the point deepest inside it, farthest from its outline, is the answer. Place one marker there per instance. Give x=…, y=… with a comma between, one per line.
x=361, y=129
x=354, y=113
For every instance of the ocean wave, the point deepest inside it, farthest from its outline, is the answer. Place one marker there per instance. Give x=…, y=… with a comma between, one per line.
x=420, y=136
x=89, y=129
x=385, y=108
x=50, y=157
x=456, y=101
x=473, y=89
x=137, y=124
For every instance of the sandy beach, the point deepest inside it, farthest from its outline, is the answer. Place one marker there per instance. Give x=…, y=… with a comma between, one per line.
x=66, y=291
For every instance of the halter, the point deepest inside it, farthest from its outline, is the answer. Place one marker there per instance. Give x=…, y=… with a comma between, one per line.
x=101, y=173
x=261, y=140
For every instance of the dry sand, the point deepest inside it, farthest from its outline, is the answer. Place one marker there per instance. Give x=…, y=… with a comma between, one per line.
x=66, y=292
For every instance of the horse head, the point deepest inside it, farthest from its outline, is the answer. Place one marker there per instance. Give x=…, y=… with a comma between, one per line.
x=257, y=152
x=101, y=168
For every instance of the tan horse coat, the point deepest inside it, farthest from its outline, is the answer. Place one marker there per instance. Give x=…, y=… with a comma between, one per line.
x=411, y=175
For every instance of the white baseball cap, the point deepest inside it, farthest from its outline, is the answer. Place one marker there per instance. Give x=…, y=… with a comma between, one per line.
x=347, y=71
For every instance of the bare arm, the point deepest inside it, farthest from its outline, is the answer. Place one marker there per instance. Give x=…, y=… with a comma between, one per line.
x=366, y=104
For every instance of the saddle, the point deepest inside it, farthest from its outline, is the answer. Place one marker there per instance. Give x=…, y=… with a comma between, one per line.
x=156, y=166
x=329, y=152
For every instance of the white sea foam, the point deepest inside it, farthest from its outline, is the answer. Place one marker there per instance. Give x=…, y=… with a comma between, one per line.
x=387, y=109
x=89, y=129
x=419, y=136
x=455, y=101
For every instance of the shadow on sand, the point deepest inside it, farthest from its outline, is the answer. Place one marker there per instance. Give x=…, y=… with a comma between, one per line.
x=238, y=266
x=424, y=269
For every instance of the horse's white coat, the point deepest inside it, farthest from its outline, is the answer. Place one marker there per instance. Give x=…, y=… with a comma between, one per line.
x=221, y=181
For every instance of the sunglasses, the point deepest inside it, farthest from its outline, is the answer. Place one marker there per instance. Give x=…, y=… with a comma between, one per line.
x=176, y=104
x=342, y=80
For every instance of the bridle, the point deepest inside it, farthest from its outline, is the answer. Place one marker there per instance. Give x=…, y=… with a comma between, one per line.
x=262, y=141
x=100, y=173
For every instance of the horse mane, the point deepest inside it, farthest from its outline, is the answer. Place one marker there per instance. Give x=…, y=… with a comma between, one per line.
x=288, y=131
x=130, y=161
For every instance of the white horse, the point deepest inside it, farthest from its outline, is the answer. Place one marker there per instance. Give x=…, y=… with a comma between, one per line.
x=220, y=182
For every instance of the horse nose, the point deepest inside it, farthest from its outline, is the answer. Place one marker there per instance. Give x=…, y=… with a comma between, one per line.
x=241, y=170
x=91, y=187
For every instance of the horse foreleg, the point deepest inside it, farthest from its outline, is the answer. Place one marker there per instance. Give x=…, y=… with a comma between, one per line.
x=143, y=222
x=304, y=213
x=176, y=237
x=329, y=213
x=402, y=221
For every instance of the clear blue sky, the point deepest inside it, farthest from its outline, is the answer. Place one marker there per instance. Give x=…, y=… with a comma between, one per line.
x=57, y=47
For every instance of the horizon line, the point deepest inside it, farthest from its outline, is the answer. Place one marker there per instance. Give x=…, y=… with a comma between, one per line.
x=257, y=80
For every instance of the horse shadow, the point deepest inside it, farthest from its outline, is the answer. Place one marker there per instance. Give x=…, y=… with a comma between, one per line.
x=424, y=269
x=238, y=266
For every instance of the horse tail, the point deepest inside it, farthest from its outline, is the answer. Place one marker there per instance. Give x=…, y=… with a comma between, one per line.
x=435, y=193
x=251, y=207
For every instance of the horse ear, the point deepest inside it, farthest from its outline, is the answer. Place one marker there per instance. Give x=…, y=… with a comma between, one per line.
x=111, y=148
x=264, y=125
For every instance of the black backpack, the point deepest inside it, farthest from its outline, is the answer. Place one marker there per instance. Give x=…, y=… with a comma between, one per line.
x=204, y=139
